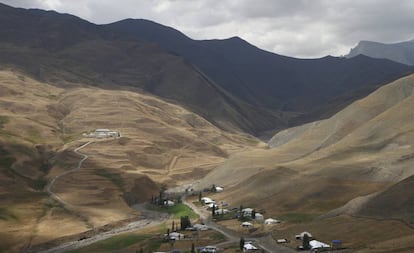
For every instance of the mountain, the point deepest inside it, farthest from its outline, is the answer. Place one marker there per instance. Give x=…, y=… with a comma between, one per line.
x=330, y=166
x=65, y=50
x=311, y=88
x=402, y=52
x=40, y=125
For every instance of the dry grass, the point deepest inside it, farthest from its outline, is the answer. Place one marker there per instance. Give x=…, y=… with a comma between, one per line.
x=162, y=144
x=355, y=233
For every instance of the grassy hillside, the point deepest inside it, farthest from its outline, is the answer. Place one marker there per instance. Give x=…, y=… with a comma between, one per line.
x=370, y=131
x=395, y=202
x=41, y=125
x=316, y=168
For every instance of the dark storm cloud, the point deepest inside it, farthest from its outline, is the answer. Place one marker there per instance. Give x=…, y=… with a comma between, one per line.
x=301, y=28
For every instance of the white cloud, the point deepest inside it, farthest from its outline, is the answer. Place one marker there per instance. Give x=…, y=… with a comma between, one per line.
x=300, y=28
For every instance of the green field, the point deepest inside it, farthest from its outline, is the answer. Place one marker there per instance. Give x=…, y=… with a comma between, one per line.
x=178, y=210
x=114, y=243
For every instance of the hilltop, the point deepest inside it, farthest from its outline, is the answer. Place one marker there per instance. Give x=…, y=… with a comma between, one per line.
x=402, y=52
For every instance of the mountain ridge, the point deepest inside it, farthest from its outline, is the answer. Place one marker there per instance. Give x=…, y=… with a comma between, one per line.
x=402, y=52
x=267, y=79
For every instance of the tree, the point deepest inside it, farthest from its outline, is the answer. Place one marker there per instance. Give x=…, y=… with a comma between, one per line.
x=254, y=214
x=241, y=243
x=160, y=202
x=213, y=188
x=305, y=241
x=192, y=248
x=185, y=222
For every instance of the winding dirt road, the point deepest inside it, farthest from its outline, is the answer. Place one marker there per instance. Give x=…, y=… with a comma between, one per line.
x=49, y=188
x=149, y=218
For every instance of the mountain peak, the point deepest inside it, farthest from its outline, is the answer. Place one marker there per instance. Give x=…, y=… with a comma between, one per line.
x=402, y=52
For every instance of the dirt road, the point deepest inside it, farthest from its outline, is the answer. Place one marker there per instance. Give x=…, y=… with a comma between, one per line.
x=49, y=188
x=266, y=242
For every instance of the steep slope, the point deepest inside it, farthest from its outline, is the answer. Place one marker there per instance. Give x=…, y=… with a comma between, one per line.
x=66, y=50
x=359, y=150
x=402, y=52
x=311, y=87
x=41, y=125
x=395, y=202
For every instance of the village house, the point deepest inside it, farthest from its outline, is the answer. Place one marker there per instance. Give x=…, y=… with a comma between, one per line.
x=247, y=211
x=209, y=249
x=207, y=201
x=103, y=133
x=258, y=217
x=316, y=245
x=175, y=236
x=301, y=235
x=271, y=221
x=249, y=247
x=246, y=224
x=221, y=211
x=169, y=203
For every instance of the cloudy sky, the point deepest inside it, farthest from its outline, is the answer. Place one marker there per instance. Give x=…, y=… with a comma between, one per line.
x=299, y=28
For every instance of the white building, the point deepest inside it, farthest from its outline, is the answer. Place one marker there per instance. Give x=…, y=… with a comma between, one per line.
x=221, y=211
x=259, y=217
x=301, y=235
x=219, y=189
x=209, y=249
x=207, y=200
x=247, y=211
x=175, y=236
x=248, y=247
x=103, y=133
x=168, y=203
x=314, y=244
x=246, y=224
x=271, y=221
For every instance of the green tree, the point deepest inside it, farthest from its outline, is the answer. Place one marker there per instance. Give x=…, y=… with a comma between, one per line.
x=241, y=243
x=160, y=200
x=185, y=222
x=305, y=241
x=213, y=188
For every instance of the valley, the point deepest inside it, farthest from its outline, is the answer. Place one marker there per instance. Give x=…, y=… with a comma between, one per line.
x=111, y=135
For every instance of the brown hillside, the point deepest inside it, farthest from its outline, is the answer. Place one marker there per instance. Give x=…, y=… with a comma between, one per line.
x=41, y=125
x=321, y=166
